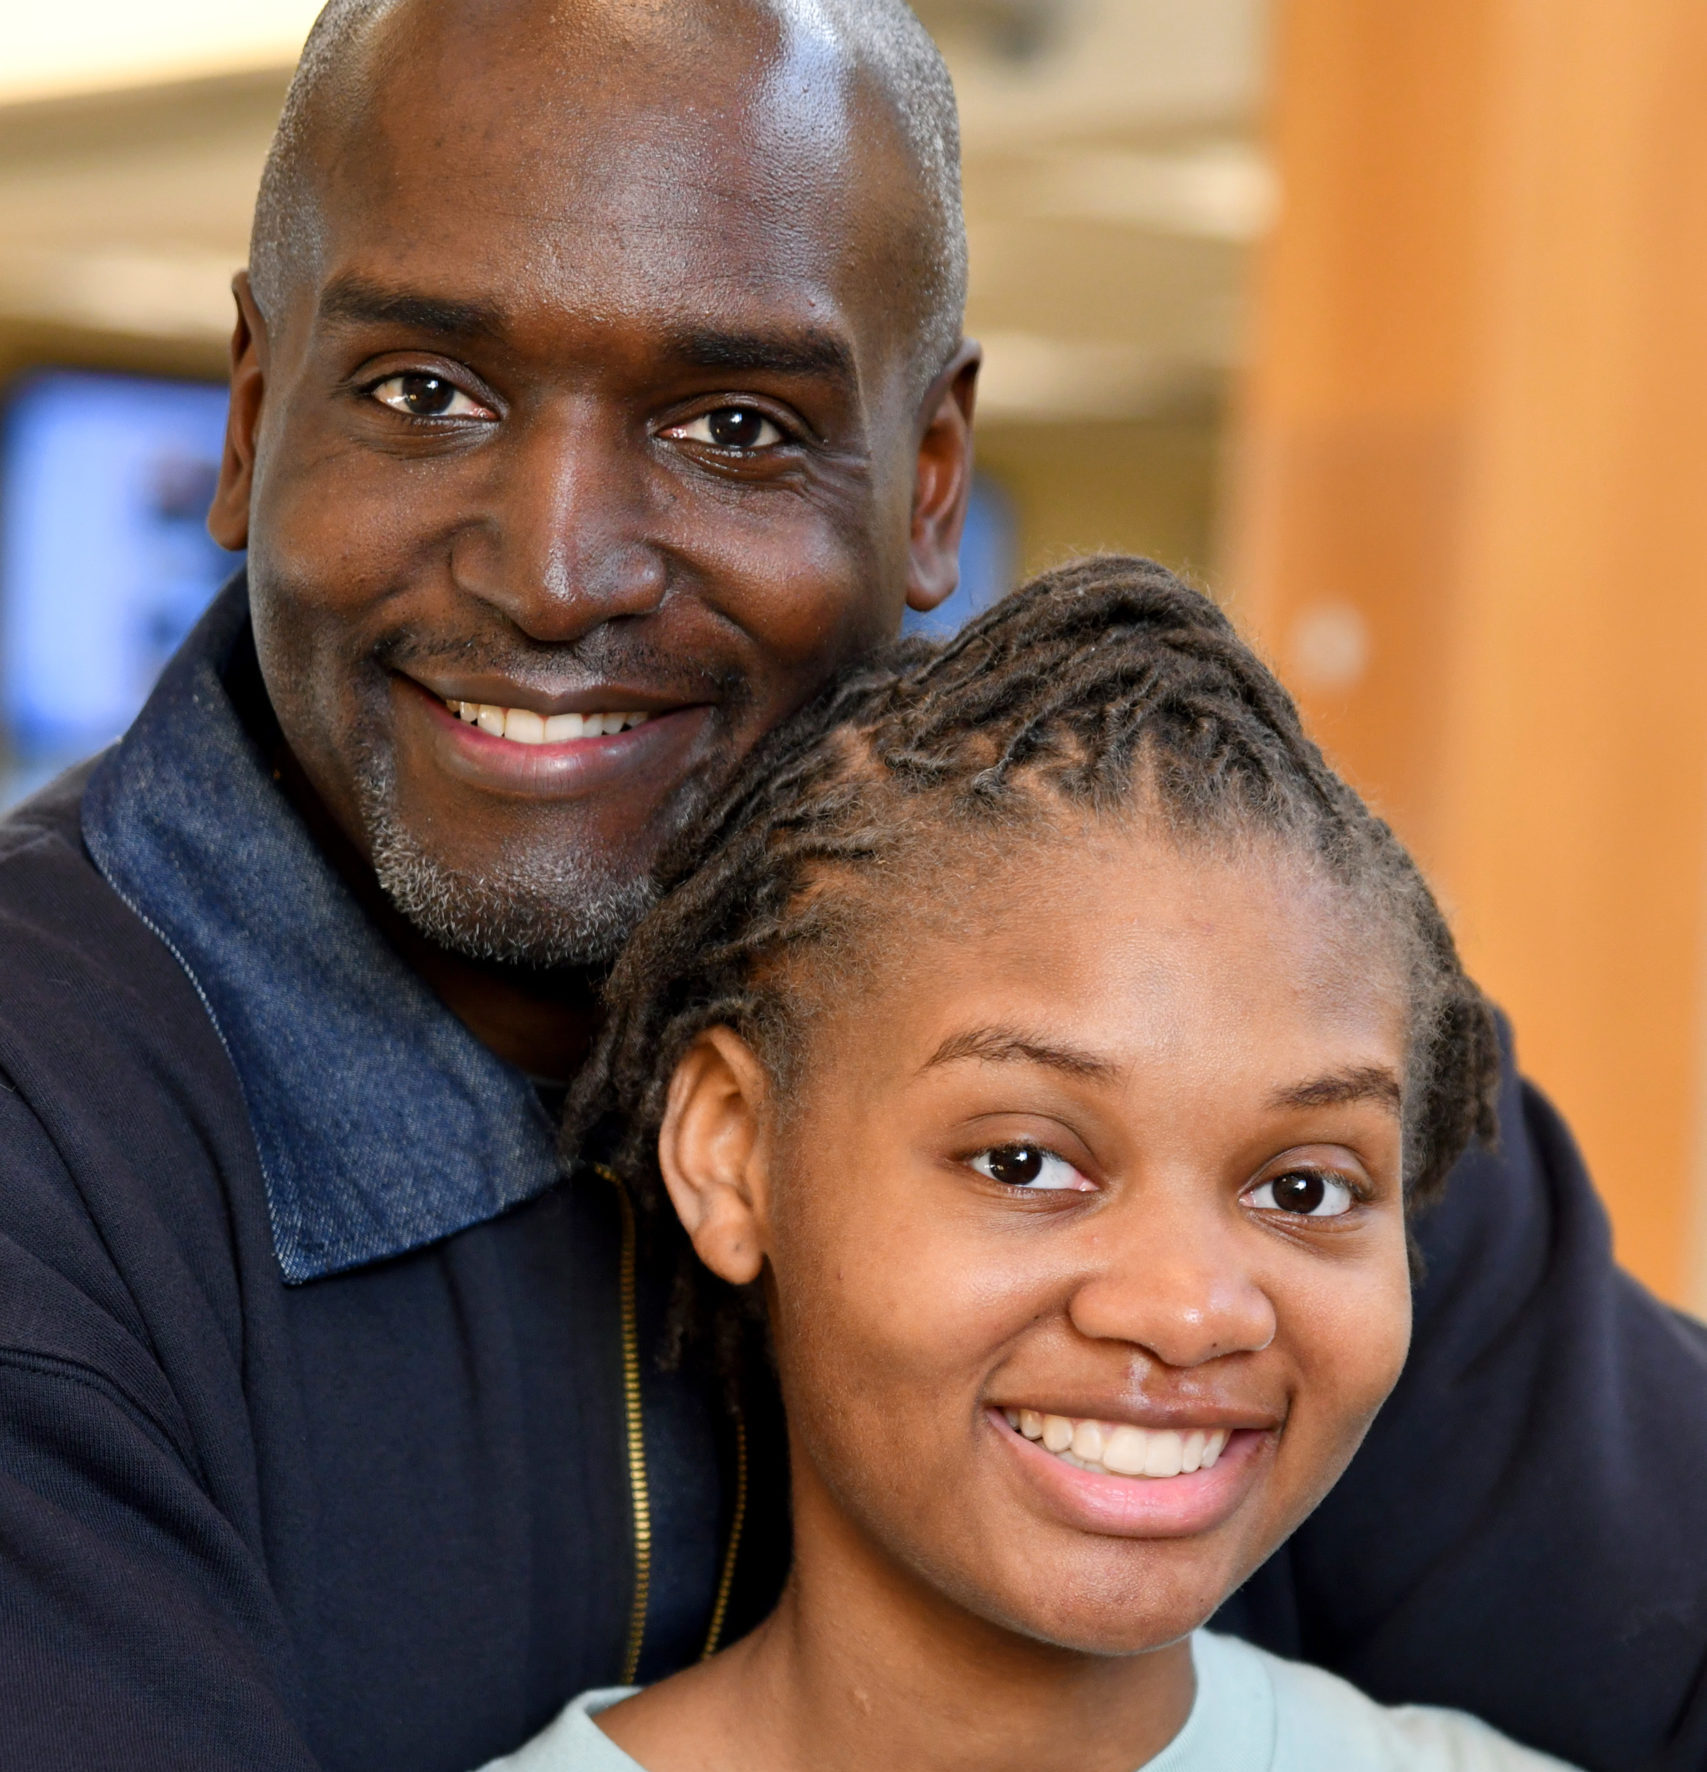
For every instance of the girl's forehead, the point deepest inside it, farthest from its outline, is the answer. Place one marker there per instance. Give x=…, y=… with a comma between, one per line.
x=1139, y=945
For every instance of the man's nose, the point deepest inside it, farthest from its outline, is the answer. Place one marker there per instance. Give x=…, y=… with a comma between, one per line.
x=565, y=540
x=1177, y=1281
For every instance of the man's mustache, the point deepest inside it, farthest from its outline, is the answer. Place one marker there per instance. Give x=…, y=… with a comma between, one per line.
x=561, y=667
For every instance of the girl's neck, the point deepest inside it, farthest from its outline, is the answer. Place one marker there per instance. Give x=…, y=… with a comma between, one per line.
x=863, y=1668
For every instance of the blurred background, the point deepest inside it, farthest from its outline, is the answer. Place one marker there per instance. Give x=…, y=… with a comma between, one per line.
x=1385, y=323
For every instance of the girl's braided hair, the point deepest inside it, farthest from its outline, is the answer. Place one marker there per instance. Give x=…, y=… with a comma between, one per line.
x=1103, y=686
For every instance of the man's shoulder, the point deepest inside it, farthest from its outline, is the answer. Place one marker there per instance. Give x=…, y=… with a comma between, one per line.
x=48, y=825
x=51, y=892
x=69, y=944
x=119, y=1101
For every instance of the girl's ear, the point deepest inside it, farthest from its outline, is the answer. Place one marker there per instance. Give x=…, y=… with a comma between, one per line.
x=712, y=1152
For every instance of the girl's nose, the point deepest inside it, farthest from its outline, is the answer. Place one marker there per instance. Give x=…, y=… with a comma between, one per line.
x=1182, y=1291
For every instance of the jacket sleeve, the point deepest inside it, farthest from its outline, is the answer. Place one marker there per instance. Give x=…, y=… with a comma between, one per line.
x=137, y=1627
x=1524, y=1533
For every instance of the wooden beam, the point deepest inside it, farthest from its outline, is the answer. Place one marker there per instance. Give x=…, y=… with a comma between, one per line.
x=1469, y=516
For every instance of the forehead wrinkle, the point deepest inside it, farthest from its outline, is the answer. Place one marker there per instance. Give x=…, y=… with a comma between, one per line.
x=740, y=221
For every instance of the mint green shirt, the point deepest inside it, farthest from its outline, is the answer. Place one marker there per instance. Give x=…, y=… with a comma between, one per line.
x=1253, y=1713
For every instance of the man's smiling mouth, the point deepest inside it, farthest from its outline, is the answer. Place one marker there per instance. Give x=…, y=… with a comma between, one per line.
x=525, y=726
x=1118, y=1449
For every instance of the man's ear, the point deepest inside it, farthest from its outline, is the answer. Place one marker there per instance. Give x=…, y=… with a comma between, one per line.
x=942, y=482
x=713, y=1153
x=228, y=521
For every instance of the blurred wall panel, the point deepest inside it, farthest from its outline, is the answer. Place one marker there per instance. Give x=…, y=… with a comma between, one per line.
x=1469, y=517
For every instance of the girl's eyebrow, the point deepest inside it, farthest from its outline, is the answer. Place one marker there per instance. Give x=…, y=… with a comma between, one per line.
x=998, y=1045
x=1369, y=1082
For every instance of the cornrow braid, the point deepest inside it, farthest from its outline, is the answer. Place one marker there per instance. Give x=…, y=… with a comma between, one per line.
x=1098, y=682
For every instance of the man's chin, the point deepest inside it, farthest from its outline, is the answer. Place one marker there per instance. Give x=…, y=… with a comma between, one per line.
x=539, y=914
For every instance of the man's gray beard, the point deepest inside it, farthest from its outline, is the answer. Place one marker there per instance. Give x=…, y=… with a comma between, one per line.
x=551, y=911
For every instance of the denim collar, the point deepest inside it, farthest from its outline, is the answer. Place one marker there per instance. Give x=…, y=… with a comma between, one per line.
x=381, y=1122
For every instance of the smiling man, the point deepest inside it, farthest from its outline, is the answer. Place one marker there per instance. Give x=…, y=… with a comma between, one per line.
x=585, y=418
x=598, y=390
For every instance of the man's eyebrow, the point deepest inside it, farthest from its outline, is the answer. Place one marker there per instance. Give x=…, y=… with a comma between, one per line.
x=1369, y=1082
x=356, y=301
x=993, y=1045
x=810, y=351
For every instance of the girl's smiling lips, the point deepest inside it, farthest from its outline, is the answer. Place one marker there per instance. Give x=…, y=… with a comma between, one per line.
x=1100, y=1502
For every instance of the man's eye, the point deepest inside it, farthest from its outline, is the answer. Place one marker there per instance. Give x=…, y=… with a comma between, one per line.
x=1030, y=1166
x=420, y=395
x=1304, y=1193
x=731, y=427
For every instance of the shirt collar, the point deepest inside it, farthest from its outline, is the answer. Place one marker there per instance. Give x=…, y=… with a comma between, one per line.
x=382, y=1123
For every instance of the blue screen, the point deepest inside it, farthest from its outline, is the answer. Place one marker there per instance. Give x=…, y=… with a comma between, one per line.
x=105, y=563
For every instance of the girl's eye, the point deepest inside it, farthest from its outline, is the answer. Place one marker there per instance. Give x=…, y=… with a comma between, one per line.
x=1030, y=1166
x=419, y=395
x=731, y=427
x=1304, y=1193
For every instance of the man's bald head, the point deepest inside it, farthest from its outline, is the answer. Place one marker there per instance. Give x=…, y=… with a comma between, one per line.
x=875, y=50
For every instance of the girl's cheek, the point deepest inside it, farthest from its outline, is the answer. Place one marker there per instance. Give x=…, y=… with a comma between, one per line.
x=903, y=1318
x=1356, y=1333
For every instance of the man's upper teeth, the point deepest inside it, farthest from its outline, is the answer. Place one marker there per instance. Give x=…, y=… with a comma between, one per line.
x=1120, y=1448
x=524, y=726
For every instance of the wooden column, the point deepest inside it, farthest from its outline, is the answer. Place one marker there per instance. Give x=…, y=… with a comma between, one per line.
x=1469, y=518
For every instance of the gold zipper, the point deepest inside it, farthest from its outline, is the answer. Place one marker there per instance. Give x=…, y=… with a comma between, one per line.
x=639, y=1495
x=726, y=1577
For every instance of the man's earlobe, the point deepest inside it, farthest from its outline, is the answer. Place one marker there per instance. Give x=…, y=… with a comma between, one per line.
x=943, y=480
x=713, y=1153
x=228, y=520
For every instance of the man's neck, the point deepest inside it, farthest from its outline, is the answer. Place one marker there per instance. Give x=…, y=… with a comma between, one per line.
x=864, y=1668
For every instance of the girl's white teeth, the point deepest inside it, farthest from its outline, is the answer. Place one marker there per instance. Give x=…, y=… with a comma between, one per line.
x=1118, y=1447
x=524, y=726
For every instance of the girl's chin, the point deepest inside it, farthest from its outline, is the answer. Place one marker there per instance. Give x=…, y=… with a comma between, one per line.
x=1116, y=1626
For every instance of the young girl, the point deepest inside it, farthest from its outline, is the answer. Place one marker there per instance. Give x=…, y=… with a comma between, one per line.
x=1048, y=1047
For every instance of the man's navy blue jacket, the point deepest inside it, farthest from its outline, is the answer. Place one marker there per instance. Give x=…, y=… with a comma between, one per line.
x=313, y=1429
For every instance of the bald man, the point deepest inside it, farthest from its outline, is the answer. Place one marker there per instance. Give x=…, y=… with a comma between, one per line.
x=598, y=389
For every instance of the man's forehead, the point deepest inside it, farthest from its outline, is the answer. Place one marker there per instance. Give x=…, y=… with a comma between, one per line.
x=608, y=156
x=639, y=174
x=467, y=256
x=703, y=203
x=638, y=94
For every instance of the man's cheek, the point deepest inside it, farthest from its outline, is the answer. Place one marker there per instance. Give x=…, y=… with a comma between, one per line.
x=343, y=531
x=812, y=594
